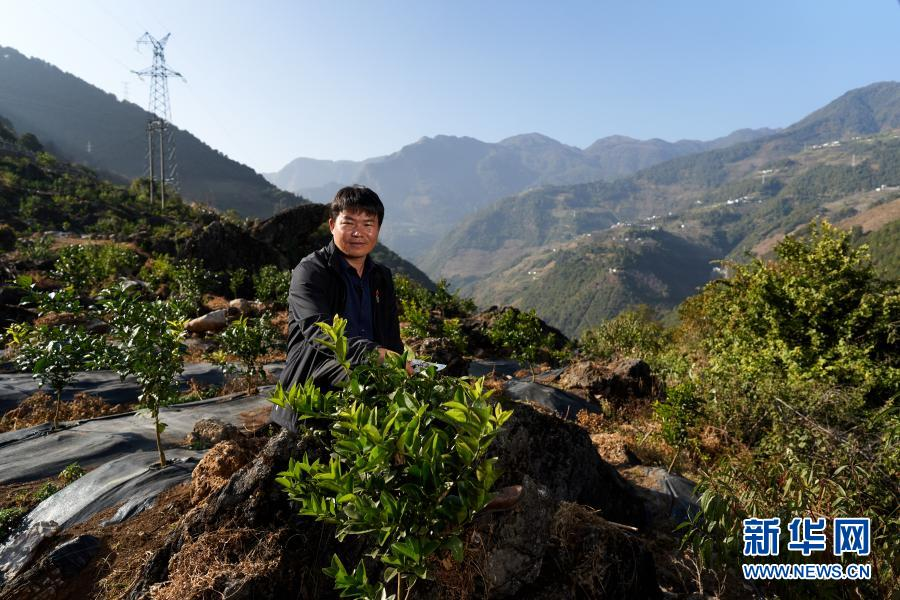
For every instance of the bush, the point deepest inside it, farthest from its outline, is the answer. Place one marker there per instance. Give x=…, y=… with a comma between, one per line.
x=522, y=335
x=36, y=250
x=248, y=341
x=272, y=286
x=408, y=461
x=87, y=268
x=72, y=472
x=631, y=334
x=795, y=360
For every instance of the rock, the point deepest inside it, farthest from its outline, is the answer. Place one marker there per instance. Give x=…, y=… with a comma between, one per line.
x=593, y=558
x=223, y=246
x=209, y=432
x=516, y=541
x=211, y=322
x=441, y=350
x=559, y=455
x=51, y=575
x=215, y=468
x=544, y=548
x=291, y=232
x=242, y=306
x=667, y=496
x=618, y=382
x=201, y=345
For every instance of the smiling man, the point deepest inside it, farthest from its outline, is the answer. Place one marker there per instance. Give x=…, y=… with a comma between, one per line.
x=342, y=279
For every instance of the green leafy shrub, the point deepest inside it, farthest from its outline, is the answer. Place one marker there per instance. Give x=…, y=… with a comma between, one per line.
x=630, y=334
x=71, y=473
x=272, y=285
x=522, y=335
x=88, y=267
x=55, y=354
x=236, y=279
x=249, y=341
x=677, y=412
x=9, y=520
x=408, y=463
x=795, y=359
x=189, y=279
x=44, y=492
x=36, y=249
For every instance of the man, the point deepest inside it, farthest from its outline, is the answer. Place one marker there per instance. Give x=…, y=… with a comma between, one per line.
x=342, y=279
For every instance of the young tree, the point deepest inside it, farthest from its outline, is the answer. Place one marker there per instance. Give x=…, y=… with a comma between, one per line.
x=150, y=348
x=407, y=461
x=55, y=355
x=250, y=341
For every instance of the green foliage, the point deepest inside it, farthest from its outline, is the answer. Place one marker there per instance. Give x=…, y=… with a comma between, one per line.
x=796, y=360
x=9, y=520
x=150, y=348
x=424, y=313
x=44, y=492
x=522, y=335
x=71, y=473
x=36, y=249
x=189, y=279
x=236, y=279
x=677, y=412
x=249, y=341
x=407, y=464
x=55, y=354
x=89, y=267
x=272, y=285
x=158, y=270
x=631, y=333
x=817, y=314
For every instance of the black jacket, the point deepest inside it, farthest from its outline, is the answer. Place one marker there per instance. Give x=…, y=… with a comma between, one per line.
x=317, y=293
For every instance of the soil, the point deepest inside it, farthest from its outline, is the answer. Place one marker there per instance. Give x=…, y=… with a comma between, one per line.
x=124, y=546
x=40, y=407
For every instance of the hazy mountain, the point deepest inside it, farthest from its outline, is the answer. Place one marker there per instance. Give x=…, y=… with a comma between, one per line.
x=431, y=185
x=83, y=124
x=547, y=247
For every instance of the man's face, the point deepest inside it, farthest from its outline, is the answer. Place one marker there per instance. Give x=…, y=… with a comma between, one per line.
x=355, y=232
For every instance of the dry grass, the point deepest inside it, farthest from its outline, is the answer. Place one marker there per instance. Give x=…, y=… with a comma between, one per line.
x=203, y=567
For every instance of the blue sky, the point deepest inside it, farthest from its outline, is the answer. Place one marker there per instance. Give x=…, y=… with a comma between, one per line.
x=270, y=81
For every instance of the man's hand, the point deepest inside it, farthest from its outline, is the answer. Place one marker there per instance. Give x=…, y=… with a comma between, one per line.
x=384, y=352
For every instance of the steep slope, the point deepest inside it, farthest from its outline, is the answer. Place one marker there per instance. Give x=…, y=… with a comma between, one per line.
x=81, y=123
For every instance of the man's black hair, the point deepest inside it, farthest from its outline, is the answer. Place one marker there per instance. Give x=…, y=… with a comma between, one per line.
x=357, y=197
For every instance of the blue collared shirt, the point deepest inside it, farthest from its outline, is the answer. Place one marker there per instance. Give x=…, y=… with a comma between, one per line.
x=358, y=309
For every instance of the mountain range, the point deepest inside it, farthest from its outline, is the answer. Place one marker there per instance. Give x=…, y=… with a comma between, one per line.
x=580, y=253
x=434, y=183
x=83, y=124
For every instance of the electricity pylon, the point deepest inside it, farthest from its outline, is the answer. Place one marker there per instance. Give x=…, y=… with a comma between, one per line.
x=158, y=124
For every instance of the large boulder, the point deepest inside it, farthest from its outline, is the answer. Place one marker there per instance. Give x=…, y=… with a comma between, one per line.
x=620, y=381
x=543, y=548
x=559, y=455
